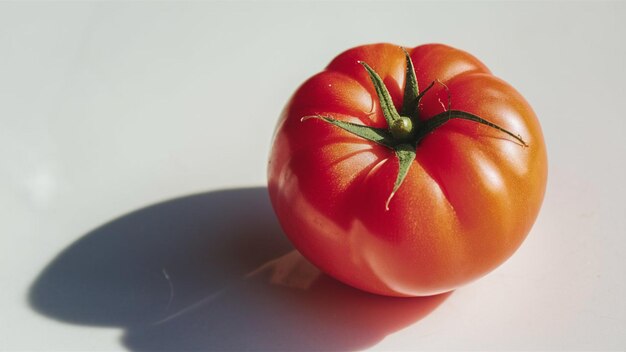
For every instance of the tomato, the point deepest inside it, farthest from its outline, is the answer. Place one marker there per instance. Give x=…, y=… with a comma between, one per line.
x=407, y=172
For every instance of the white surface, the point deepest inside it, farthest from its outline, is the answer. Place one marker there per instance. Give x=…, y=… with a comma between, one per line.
x=106, y=108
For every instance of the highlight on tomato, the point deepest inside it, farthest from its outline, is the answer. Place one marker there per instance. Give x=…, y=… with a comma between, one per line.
x=407, y=172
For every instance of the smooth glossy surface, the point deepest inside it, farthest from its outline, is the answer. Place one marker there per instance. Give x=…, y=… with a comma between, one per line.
x=468, y=201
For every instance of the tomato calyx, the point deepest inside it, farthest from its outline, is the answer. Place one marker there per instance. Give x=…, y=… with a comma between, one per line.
x=406, y=130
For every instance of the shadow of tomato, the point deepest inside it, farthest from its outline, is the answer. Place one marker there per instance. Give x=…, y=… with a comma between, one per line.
x=212, y=271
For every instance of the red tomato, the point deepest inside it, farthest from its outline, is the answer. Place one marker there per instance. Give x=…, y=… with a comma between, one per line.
x=471, y=192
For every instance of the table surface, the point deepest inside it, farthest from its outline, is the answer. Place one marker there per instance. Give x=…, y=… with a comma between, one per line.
x=134, y=140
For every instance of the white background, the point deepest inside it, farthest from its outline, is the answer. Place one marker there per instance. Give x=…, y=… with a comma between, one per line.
x=106, y=108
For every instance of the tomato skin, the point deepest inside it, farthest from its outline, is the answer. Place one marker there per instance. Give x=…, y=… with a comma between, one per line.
x=470, y=198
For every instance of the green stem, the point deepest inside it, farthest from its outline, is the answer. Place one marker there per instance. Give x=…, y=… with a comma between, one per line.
x=404, y=132
x=386, y=104
x=411, y=91
x=405, y=154
x=438, y=120
x=378, y=135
